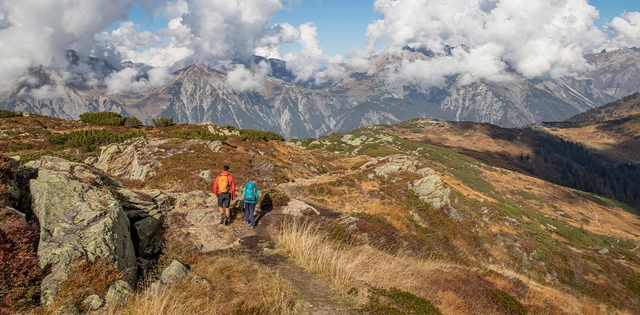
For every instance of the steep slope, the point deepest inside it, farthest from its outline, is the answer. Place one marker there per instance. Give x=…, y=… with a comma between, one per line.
x=537, y=152
x=623, y=108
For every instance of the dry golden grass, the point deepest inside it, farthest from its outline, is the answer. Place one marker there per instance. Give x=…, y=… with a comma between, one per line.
x=452, y=288
x=237, y=286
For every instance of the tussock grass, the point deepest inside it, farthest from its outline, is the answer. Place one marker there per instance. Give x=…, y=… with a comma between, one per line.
x=237, y=286
x=453, y=289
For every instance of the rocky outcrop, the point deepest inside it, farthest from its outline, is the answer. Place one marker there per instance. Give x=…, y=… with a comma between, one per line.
x=80, y=219
x=429, y=188
x=131, y=159
x=394, y=164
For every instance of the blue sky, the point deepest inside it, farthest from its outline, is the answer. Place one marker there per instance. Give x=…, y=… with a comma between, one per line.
x=342, y=24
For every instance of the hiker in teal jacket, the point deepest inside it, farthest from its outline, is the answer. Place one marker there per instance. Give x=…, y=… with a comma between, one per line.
x=251, y=196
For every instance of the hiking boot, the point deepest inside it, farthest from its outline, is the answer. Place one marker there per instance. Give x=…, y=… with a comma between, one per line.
x=226, y=222
x=222, y=218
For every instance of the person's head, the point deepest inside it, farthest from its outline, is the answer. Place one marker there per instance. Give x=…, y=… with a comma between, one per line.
x=225, y=168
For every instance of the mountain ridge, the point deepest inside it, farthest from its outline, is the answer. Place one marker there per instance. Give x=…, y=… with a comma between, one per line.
x=300, y=109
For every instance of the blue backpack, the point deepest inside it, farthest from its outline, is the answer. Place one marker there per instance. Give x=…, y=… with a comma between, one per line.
x=250, y=193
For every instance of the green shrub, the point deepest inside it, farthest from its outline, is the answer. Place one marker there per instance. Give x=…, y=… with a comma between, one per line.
x=102, y=119
x=89, y=140
x=9, y=113
x=397, y=302
x=507, y=302
x=249, y=134
x=162, y=122
x=132, y=122
x=381, y=152
x=33, y=156
x=197, y=134
x=273, y=197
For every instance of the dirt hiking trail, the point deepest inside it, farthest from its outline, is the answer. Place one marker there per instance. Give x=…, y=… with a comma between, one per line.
x=201, y=227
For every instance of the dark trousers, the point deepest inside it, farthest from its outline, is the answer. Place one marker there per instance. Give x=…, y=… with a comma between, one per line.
x=249, y=209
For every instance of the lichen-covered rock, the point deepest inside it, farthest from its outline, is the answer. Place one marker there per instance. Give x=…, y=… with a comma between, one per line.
x=174, y=273
x=393, y=164
x=149, y=234
x=191, y=199
x=131, y=200
x=206, y=175
x=298, y=208
x=118, y=293
x=79, y=219
x=430, y=189
x=215, y=146
x=93, y=302
x=68, y=310
x=131, y=159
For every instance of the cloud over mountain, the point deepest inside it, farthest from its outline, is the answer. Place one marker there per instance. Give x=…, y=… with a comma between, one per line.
x=535, y=38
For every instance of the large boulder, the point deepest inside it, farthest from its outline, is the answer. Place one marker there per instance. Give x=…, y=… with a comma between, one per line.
x=430, y=189
x=132, y=159
x=80, y=219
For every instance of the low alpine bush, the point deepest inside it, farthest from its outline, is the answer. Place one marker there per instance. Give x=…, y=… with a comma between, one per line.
x=90, y=140
x=162, y=122
x=102, y=119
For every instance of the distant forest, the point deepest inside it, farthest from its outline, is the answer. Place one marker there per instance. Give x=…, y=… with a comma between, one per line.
x=576, y=167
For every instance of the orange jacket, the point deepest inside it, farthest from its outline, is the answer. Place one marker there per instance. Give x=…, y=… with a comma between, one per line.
x=232, y=184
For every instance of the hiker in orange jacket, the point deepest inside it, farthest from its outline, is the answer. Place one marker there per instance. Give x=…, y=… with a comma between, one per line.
x=224, y=187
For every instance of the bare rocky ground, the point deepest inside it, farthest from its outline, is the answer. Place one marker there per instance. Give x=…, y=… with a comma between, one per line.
x=202, y=228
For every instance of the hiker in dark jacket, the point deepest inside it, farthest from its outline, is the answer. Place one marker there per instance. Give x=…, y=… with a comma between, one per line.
x=224, y=187
x=251, y=195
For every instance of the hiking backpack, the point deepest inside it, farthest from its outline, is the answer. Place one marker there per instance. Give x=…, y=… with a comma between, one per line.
x=223, y=184
x=250, y=192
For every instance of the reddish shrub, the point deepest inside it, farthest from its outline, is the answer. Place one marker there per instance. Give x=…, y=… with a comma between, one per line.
x=86, y=278
x=6, y=172
x=20, y=274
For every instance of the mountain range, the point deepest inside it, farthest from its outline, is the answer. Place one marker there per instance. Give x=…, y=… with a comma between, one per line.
x=199, y=93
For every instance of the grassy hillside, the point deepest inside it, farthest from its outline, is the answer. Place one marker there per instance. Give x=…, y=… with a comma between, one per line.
x=626, y=107
x=508, y=240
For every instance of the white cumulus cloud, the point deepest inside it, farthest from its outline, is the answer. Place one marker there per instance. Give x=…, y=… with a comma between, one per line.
x=311, y=62
x=243, y=80
x=129, y=80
